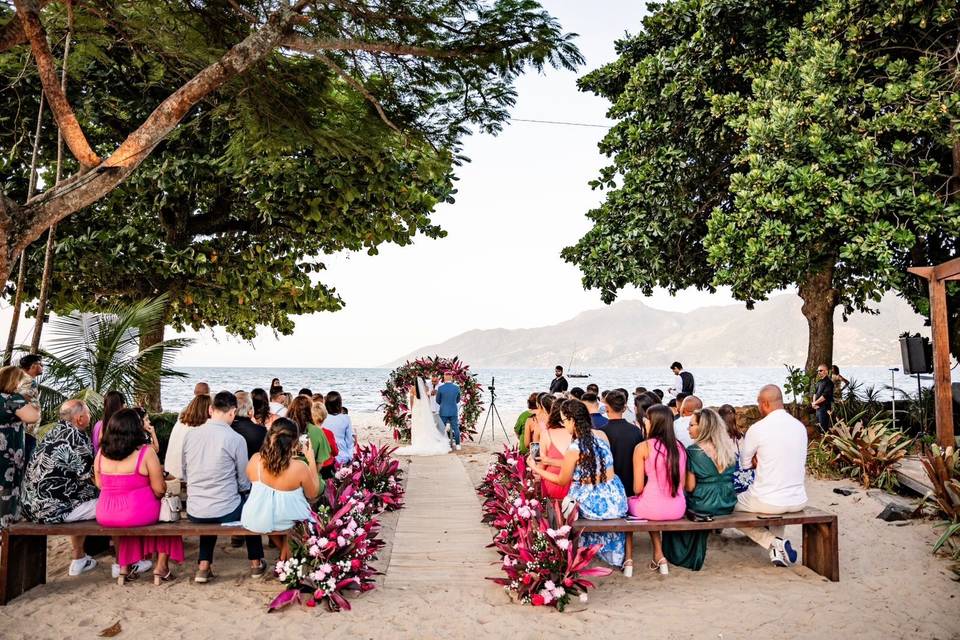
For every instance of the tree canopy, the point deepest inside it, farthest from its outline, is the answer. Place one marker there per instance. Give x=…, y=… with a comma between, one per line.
x=764, y=145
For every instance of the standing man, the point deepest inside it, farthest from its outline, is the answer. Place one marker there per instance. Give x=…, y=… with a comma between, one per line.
x=434, y=406
x=559, y=383
x=823, y=397
x=33, y=365
x=448, y=401
x=683, y=381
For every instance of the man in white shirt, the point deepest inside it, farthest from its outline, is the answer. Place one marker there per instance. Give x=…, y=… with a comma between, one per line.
x=681, y=426
x=777, y=447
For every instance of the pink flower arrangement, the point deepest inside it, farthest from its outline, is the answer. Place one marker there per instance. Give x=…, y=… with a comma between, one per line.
x=396, y=411
x=374, y=470
x=543, y=566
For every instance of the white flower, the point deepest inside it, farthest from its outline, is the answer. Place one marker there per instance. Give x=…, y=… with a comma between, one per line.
x=322, y=542
x=325, y=568
x=552, y=533
x=563, y=543
x=341, y=541
x=549, y=586
x=518, y=502
x=564, y=530
x=314, y=551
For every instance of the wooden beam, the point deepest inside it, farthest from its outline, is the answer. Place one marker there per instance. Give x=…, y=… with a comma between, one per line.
x=943, y=397
x=948, y=270
x=923, y=272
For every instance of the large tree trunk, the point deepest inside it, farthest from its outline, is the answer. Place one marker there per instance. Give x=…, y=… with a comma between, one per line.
x=149, y=399
x=819, y=303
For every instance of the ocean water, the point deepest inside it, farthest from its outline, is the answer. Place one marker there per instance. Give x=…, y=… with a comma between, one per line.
x=361, y=387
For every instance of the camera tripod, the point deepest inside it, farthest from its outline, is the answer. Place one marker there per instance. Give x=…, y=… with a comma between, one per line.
x=492, y=413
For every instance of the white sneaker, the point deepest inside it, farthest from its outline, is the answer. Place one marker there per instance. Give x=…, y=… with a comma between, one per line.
x=782, y=553
x=141, y=567
x=81, y=566
x=458, y=447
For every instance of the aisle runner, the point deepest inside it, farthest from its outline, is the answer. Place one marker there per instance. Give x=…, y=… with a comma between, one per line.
x=440, y=540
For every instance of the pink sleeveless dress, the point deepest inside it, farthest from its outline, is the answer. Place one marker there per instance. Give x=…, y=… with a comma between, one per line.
x=127, y=500
x=656, y=503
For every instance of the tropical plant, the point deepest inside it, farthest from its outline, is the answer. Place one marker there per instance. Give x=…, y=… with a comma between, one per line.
x=377, y=473
x=869, y=452
x=821, y=460
x=797, y=383
x=89, y=354
x=943, y=469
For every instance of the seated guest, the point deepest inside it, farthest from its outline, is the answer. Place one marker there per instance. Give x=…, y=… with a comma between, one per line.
x=643, y=402
x=538, y=421
x=658, y=393
x=284, y=478
x=674, y=409
x=681, y=426
x=274, y=384
x=201, y=389
x=659, y=469
x=113, y=401
x=623, y=438
x=215, y=471
x=776, y=447
x=318, y=410
x=639, y=391
x=742, y=478
x=196, y=414
x=278, y=402
x=554, y=441
x=593, y=406
x=58, y=485
x=628, y=413
x=594, y=389
x=16, y=410
x=709, y=487
x=261, y=408
x=597, y=491
x=130, y=478
x=305, y=392
x=576, y=393
x=518, y=427
x=339, y=424
x=251, y=432
x=300, y=412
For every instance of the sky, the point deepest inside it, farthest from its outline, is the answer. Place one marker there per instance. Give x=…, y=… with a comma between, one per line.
x=522, y=198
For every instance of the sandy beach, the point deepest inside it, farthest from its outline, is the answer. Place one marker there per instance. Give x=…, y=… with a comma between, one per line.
x=890, y=586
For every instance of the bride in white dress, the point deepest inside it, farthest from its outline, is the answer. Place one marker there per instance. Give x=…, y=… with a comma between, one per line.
x=425, y=440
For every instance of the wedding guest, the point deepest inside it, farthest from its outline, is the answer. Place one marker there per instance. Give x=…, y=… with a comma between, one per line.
x=658, y=393
x=588, y=468
x=554, y=440
x=742, y=478
x=623, y=438
x=58, y=484
x=278, y=402
x=251, y=432
x=261, y=407
x=214, y=469
x=339, y=424
x=681, y=425
x=577, y=393
x=839, y=382
x=15, y=411
x=643, y=402
x=195, y=414
x=538, y=421
x=131, y=483
x=639, y=391
x=659, y=469
x=327, y=466
x=594, y=389
x=305, y=392
x=823, y=397
x=32, y=365
x=201, y=389
x=628, y=413
x=593, y=406
x=559, y=383
x=113, y=401
x=520, y=425
x=301, y=414
x=776, y=447
x=284, y=479
x=709, y=487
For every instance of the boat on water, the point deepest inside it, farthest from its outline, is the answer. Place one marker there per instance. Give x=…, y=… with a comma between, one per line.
x=575, y=374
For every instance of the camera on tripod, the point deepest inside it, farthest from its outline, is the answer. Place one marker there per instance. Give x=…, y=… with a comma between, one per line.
x=493, y=385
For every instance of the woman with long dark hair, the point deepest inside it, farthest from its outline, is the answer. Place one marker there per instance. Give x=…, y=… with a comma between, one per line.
x=587, y=466
x=261, y=407
x=113, y=401
x=538, y=421
x=300, y=413
x=659, y=470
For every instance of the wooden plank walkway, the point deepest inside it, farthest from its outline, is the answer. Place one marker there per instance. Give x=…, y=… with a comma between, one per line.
x=440, y=540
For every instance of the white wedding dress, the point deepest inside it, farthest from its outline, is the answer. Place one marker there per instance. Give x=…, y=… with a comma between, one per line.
x=425, y=439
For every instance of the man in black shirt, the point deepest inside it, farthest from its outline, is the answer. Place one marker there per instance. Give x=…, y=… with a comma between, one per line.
x=253, y=434
x=823, y=397
x=559, y=383
x=623, y=436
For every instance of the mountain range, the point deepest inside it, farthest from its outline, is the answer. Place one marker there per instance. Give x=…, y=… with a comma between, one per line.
x=630, y=333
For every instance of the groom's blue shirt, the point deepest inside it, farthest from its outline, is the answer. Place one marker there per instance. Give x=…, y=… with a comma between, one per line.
x=448, y=397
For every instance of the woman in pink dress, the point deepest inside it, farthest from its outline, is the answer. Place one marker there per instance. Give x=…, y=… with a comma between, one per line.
x=659, y=468
x=130, y=478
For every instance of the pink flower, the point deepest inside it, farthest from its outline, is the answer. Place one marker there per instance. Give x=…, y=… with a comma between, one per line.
x=311, y=603
x=537, y=600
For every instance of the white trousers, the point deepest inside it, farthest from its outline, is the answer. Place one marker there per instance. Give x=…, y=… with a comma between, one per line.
x=763, y=536
x=83, y=511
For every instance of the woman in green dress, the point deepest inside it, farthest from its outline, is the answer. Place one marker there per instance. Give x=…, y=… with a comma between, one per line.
x=711, y=462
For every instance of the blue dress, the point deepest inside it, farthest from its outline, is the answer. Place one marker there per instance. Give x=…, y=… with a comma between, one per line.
x=742, y=478
x=268, y=509
x=604, y=501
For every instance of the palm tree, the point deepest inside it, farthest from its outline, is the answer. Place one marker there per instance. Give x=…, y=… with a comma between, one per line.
x=92, y=353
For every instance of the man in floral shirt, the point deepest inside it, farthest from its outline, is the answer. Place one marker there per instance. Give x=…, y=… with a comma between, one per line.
x=58, y=486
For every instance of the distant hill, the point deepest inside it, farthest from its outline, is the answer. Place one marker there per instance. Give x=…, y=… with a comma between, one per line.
x=631, y=334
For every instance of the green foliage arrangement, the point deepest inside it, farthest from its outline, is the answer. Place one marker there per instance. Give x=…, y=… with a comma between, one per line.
x=943, y=469
x=797, y=384
x=869, y=452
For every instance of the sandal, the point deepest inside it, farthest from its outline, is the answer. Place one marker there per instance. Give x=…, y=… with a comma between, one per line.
x=159, y=578
x=130, y=576
x=628, y=568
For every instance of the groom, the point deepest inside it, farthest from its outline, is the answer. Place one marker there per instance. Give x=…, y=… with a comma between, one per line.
x=448, y=399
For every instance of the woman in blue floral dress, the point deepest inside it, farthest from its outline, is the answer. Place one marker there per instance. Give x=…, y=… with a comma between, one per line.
x=588, y=467
x=742, y=478
x=15, y=410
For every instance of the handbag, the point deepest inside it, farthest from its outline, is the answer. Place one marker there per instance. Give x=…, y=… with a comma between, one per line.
x=170, y=508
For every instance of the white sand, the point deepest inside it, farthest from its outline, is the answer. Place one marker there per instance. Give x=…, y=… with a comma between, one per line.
x=891, y=586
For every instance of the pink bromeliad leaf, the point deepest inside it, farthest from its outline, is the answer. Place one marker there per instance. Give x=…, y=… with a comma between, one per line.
x=596, y=571
x=287, y=597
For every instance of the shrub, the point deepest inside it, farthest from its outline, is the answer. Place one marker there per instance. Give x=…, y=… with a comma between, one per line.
x=868, y=453
x=943, y=469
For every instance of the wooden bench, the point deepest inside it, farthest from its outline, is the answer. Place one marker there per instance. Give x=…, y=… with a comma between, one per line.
x=23, y=547
x=821, y=551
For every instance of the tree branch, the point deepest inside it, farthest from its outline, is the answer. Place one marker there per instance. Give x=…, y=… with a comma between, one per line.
x=356, y=84
x=12, y=33
x=316, y=46
x=29, y=13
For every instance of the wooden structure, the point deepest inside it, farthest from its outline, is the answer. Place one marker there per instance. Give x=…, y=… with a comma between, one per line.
x=821, y=548
x=937, y=278
x=23, y=547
